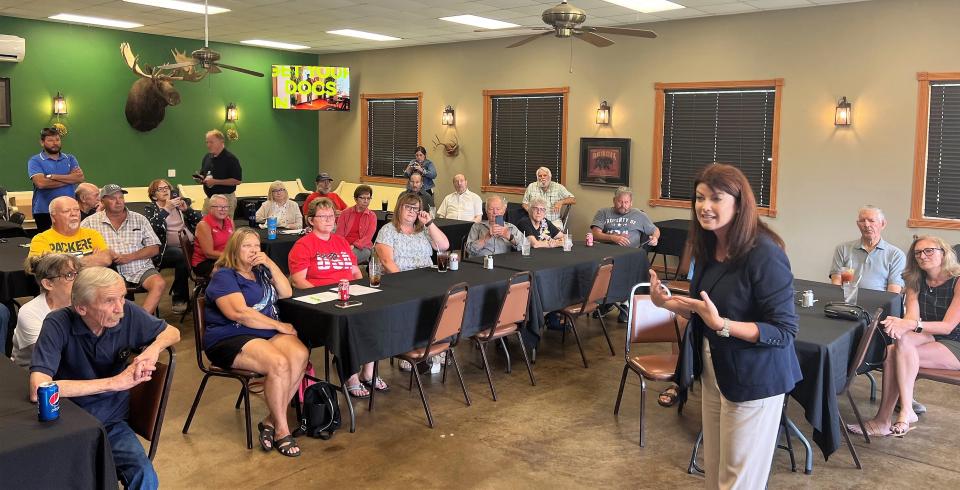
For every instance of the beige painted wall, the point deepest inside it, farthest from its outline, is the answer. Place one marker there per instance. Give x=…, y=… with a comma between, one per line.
x=869, y=52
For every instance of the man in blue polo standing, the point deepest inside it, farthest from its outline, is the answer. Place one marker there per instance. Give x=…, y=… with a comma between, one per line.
x=54, y=174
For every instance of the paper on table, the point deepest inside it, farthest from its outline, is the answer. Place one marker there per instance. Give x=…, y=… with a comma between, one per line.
x=290, y=232
x=358, y=290
x=317, y=298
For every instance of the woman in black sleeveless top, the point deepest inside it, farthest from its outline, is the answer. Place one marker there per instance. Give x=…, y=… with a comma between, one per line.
x=926, y=337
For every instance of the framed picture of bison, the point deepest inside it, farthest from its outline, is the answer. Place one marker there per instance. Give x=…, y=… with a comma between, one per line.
x=605, y=161
x=5, y=119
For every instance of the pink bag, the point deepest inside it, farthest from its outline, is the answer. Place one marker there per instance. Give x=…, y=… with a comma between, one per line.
x=305, y=382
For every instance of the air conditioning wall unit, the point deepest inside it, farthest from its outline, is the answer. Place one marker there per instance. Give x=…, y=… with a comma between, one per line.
x=12, y=48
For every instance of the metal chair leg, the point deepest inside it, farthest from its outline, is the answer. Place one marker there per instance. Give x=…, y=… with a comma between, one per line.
x=846, y=437
x=240, y=398
x=246, y=409
x=486, y=368
x=693, y=467
x=856, y=411
x=463, y=385
x=576, y=334
x=373, y=384
x=523, y=350
x=643, y=404
x=603, y=326
x=506, y=352
x=873, y=387
x=196, y=403
x=623, y=381
x=423, y=396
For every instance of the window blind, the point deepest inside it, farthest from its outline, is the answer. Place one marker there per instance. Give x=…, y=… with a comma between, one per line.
x=526, y=134
x=392, y=128
x=942, y=191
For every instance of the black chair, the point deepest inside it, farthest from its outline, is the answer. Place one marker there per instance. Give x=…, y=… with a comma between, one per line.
x=244, y=377
x=859, y=357
x=148, y=402
x=200, y=282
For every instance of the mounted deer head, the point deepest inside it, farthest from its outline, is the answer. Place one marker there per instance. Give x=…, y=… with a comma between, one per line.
x=152, y=92
x=452, y=149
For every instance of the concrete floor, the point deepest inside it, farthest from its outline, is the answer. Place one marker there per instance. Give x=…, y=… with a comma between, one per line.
x=559, y=434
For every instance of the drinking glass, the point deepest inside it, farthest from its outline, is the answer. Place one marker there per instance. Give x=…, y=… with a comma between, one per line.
x=567, y=243
x=525, y=247
x=850, y=290
x=443, y=259
x=375, y=270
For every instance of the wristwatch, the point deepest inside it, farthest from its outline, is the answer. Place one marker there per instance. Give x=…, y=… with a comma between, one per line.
x=919, y=328
x=725, y=331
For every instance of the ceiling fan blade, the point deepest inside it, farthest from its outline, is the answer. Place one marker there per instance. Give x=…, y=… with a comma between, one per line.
x=594, y=39
x=526, y=28
x=174, y=66
x=236, y=68
x=530, y=38
x=212, y=68
x=623, y=31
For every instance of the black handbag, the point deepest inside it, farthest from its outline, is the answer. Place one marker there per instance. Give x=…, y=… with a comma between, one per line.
x=845, y=311
x=321, y=411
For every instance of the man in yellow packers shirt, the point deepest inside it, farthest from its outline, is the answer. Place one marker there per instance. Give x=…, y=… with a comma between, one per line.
x=66, y=236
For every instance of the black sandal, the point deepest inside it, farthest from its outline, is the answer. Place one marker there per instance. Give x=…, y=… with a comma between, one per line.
x=266, y=436
x=286, y=445
x=671, y=394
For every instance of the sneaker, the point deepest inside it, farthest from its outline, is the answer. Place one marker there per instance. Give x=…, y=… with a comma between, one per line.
x=436, y=362
x=179, y=307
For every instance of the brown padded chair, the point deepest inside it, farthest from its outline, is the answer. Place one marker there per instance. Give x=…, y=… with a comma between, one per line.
x=858, y=357
x=648, y=323
x=200, y=282
x=148, y=402
x=244, y=377
x=445, y=336
x=596, y=297
x=513, y=313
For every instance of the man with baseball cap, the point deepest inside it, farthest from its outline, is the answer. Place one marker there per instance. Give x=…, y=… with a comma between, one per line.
x=130, y=236
x=324, y=189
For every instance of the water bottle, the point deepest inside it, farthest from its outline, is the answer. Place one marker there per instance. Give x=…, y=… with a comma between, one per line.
x=251, y=217
x=272, y=228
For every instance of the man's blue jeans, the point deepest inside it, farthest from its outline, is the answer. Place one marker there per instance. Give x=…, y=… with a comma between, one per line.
x=134, y=468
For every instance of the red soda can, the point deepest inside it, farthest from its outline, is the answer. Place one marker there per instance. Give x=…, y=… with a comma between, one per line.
x=589, y=239
x=343, y=288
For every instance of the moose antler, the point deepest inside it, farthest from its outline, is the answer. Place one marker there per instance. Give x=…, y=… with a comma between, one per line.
x=131, y=60
x=451, y=149
x=186, y=73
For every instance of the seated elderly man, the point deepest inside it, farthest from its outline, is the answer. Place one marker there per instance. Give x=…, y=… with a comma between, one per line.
x=415, y=187
x=623, y=224
x=491, y=238
x=131, y=237
x=461, y=204
x=67, y=237
x=554, y=193
x=878, y=264
x=88, y=196
x=86, y=349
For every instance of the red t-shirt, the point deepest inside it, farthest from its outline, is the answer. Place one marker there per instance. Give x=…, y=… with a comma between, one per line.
x=330, y=195
x=326, y=261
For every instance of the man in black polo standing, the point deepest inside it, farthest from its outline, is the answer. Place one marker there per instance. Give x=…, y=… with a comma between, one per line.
x=220, y=172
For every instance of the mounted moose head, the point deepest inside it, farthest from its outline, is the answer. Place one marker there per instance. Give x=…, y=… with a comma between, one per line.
x=452, y=149
x=153, y=92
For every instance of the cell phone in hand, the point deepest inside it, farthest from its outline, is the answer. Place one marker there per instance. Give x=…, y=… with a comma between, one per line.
x=174, y=193
x=197, y=176
x=499, y=220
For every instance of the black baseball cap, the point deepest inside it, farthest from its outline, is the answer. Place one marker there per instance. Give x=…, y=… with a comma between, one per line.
x=324, y=176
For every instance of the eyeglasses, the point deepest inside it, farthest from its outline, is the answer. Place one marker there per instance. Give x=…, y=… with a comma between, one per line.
x=163, y=188
x=926, y=251
x=542, y=210
x=69, y=277
x=326, y=217
x=220, y=207
x=411, y=208
x=364, y=198
x=278, y=191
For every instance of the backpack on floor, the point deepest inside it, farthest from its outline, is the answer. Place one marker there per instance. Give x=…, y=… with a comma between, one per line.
x=321, y=411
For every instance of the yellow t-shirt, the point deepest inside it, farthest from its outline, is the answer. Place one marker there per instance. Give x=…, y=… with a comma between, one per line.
x=84, y=242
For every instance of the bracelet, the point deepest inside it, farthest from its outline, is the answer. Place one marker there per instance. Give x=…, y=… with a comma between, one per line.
x=427, y=224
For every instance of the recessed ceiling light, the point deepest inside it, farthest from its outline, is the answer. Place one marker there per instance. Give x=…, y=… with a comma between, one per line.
x=363, y=35
x=196, y=8
x=97, y=21
x=473, y=20
x=274, y=44
x=646, y=6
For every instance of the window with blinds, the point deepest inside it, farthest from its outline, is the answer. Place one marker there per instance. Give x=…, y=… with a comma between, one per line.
x=526, y=133
x=392, y=135
x=942, y=186
x=700, y=126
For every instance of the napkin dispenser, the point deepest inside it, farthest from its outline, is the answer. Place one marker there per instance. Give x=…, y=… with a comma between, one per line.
x=844, y=311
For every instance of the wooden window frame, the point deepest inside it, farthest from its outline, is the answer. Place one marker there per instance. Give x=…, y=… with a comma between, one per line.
x=917, y=219
x=660, y=88
x=364, y=137
x=488, y=95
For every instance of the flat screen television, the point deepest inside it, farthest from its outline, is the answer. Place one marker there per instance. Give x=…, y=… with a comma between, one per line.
x=311, y=88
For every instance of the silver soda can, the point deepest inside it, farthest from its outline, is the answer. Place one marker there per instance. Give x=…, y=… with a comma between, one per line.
x=454, y=261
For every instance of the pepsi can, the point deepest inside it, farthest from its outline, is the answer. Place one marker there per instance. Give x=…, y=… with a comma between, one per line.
x=48, y=401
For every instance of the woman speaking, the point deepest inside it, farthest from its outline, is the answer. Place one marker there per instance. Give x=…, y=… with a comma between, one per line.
x=742, y=326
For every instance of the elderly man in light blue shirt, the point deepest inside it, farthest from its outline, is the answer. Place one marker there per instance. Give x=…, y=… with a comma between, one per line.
x=878, y=264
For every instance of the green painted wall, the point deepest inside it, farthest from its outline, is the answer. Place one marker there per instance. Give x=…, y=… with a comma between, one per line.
x=84, y=63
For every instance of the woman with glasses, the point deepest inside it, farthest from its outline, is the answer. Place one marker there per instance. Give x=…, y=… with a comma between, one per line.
x=928, y=335
x=54, y=274
x=213, y=231
x=321, y=258
x=407, y=242
x=358, y=223
x=278, y=205
x=541, y=232
x=167, y=216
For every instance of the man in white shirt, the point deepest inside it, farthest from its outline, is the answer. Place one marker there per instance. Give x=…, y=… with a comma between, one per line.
x=461, y=204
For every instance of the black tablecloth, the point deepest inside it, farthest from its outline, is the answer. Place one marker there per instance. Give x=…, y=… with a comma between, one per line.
x=279, y=248
x=824, y=348
x=673, y=236
x=14, y=283
x=241, y=213
x=9, y=230
x=397, y=319
x=565, y=278
x=71, y=452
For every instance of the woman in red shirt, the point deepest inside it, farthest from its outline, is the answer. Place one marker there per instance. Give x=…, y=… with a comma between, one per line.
x=358, y=223
x=322, y=258
x=213, y=231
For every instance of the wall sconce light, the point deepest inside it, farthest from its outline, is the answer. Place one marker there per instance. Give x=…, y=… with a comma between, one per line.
x=59, y=105
x=603, y=113
x=448, y=117
x=844, y=113
x=232, y=114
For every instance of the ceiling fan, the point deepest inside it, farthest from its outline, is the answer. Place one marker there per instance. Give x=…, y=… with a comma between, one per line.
x=205, y=57
x=565, y=21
